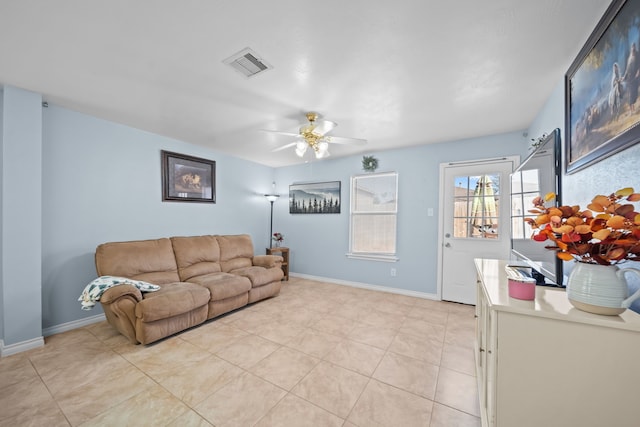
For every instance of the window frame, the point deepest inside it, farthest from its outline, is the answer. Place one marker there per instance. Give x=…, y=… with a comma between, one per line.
x=372, y=255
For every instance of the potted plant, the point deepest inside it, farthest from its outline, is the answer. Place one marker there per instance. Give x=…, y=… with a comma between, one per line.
x=278, y=238
x=598, y=238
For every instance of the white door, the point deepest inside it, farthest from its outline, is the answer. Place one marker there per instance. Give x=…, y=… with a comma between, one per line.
x=474, y=222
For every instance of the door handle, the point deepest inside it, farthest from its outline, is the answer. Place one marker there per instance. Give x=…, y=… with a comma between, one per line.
x=447, y=245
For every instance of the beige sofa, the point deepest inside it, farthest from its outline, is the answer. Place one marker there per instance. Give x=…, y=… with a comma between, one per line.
x=201, y=277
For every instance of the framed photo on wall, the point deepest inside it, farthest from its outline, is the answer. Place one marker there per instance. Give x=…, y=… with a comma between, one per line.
x=187, y=178
x=602, y=102
x=314, y=198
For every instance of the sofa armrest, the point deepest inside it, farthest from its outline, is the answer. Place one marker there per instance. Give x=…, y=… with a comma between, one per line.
x=116, y=292
x=267, y=261
x=119, y=305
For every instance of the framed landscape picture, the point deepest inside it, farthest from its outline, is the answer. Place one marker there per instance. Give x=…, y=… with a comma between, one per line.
x=187, y=178
x=315, y=198
x=602, y=103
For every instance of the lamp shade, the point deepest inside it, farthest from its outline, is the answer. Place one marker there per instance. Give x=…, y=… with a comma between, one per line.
x=272, y=197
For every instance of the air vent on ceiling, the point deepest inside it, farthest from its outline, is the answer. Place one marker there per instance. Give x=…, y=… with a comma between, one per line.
x=247, y=62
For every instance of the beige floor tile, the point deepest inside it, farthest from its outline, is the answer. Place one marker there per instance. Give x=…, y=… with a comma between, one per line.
x=412, y=375
x=339, y=326
x=190, y=419
x=459, y=359
x=248, y=351
x=332, y=388
x=423, y=329
x=242, y=402
x=394, y=308
x=355, y=356
x=436, y=317
x=285, y=367
x=458, y=390
x=464, y=309
x=375, y=336
x=461, y=336
x=195, y=381
x=384, y=405
x=278, y=331
x=248, y=321
x=432, y=304
x=381, y=319
x=14, y=369
x=29, y=402
x=314, y=343
x=200, y=376
x=417, y=347
x=65, y=371
x=302, y=316
x=293, y=411
x=102, y=330
x=152, y=407
x=165, y=355
x=80, y=404
x=216, y=338
x=443, y=416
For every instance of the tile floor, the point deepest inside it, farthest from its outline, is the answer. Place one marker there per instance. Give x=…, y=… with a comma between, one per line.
x=319, y=354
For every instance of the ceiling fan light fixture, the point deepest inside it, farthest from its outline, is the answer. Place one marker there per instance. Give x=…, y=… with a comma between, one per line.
x=301, y=148
x=322, y=150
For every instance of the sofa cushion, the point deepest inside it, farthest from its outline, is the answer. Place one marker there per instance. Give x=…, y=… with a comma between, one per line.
x=171, y=300
x=223, y=285
x=236, y=251
x=196, y=256
x=260, y=276
x=152, y=261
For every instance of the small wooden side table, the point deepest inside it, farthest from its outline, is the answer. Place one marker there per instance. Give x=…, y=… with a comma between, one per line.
x=284, y=253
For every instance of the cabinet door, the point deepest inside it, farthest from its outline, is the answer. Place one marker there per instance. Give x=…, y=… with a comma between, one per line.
x=483, y=372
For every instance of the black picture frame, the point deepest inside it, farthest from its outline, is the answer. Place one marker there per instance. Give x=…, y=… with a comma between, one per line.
x=315, y=198
x=602, y=103
x=188, y=178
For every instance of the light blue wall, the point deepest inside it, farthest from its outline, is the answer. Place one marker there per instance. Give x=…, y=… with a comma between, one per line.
x=604, y=177
x=1, y=215
x=102, y=182
x=21, y=215
x=319, y=242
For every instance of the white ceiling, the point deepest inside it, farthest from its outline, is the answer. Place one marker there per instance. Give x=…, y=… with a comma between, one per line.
x=397, y=73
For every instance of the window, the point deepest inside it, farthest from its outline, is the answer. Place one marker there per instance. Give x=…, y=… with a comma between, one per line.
x=374, y=210
x=525, y=186
x=476, y=206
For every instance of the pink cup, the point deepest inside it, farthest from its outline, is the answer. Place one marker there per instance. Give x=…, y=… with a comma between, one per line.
x=525, y=290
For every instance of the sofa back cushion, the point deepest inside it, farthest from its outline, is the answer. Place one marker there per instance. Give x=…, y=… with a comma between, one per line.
x=196, y=256
x=149, y=260
x=236, y=251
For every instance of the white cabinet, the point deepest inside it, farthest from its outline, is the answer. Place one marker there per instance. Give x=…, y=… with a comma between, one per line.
x=545, y=363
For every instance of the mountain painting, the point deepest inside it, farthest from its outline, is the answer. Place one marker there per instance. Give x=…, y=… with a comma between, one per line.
x=314, y=198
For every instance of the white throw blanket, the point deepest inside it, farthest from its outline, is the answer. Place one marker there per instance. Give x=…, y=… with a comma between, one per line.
x=94, y=290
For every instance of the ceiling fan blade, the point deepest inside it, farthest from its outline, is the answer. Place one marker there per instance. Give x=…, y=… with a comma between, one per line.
x=323, y=127
x=277, y=132
x=342, y=140
x=284, y=147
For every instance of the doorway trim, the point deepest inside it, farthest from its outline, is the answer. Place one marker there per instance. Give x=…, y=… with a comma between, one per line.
x=441, y=187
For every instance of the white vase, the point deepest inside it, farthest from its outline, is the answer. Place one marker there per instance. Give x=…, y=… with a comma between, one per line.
x=600, y=289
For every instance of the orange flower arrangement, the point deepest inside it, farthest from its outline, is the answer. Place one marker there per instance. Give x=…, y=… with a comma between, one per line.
x=607, y=232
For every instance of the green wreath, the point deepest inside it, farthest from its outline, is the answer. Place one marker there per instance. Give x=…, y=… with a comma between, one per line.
x=369, y=163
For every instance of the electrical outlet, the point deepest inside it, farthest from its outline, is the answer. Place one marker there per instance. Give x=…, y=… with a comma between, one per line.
x=393, y=272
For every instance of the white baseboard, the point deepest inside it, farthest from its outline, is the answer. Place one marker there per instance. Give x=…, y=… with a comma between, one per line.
x=39, y=342
x=368, y=286
x=74, y=324
x=20, y=346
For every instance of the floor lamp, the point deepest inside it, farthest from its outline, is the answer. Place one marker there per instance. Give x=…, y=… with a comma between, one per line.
x=271, y=198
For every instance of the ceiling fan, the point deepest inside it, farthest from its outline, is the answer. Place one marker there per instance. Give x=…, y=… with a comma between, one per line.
x=314, y=135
